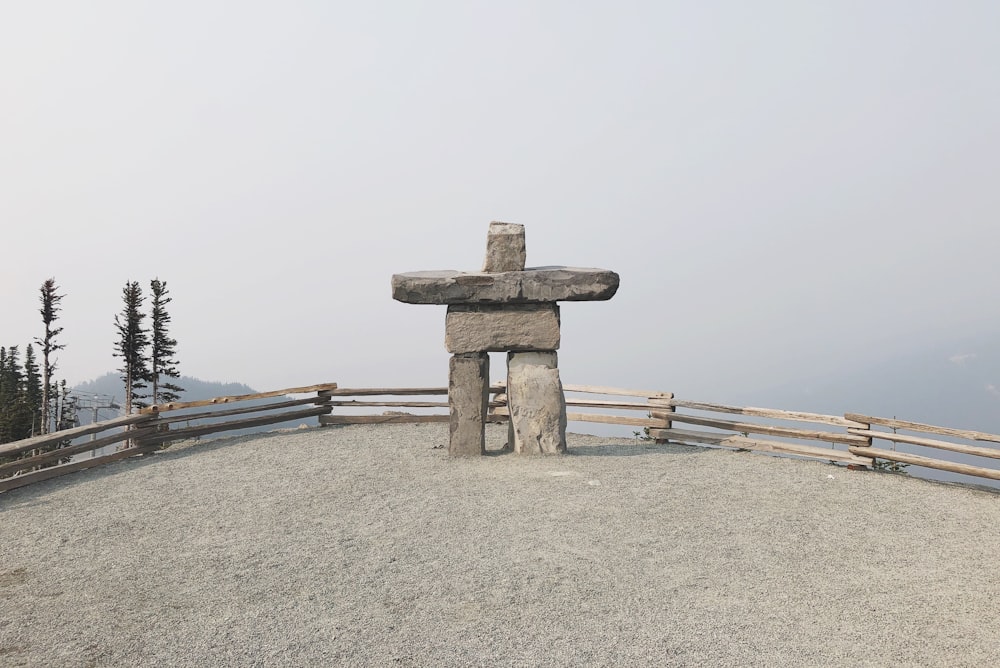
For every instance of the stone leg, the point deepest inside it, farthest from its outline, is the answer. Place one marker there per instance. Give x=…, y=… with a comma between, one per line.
x=468, y=399
x=536, y=401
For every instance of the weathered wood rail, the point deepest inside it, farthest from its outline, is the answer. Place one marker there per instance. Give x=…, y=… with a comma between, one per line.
x=25, y=470
x=846, y=439
x=145, y=432
x=659, y=416
x=917, y=459
x=370, y=416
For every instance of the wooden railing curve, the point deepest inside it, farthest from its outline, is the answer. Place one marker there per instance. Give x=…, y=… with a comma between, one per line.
x=145, y=432
x=846, y=439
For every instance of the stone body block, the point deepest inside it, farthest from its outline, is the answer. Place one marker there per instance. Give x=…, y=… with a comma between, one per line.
x=468, y=401
x=500, y=328
x=505, y=249
x=535, y=285
x=536, y=401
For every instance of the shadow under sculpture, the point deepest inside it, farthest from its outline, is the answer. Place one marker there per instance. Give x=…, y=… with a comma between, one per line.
x=505, y=308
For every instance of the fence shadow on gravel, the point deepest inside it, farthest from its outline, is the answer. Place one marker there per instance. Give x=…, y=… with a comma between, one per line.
x=643, y=448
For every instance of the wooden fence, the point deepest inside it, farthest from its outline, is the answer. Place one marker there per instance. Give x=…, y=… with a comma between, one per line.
x=428, y=410
x=146, y=432
x=656, y=416
x=661, y=417
x=651, y=411
x=981, y=454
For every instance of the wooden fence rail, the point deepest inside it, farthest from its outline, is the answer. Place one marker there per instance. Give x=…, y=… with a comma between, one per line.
x=370, y=416
x=145, y=432
x=661, y=409
x=917, y=459
x=844, y=439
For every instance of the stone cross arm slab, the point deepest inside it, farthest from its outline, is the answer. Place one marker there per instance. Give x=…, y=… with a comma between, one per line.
x=534, y=285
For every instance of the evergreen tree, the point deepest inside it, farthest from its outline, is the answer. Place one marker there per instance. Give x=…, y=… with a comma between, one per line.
x=8, y=393
x=7, y=398
x=163, y=366
x=50, y=313
x=33, y=391
x=20, y=398
x=131, y=346
x=16, y=420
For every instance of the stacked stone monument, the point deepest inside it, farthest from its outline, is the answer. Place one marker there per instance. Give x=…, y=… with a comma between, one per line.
x=505, y=308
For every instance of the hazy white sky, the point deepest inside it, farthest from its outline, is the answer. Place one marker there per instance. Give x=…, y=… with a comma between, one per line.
x=786, y=188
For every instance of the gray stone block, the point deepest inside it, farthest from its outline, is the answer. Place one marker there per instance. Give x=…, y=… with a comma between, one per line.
x=536, y=401
x=535, y=285
x=500, y=328
x=505, y=249
x=468, y=401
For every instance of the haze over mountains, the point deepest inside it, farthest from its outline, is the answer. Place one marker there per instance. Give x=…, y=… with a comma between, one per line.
x=953, y=384
x=195, y=389
x=111, y=385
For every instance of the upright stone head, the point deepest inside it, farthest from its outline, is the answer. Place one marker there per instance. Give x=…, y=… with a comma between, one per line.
x=505, y=249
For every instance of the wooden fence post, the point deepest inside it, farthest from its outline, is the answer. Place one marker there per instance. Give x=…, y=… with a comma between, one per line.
x=327, y=397
x=143, y=441
x=663, y=400
x=498, y=399
x=324, y=398
x=866, y=427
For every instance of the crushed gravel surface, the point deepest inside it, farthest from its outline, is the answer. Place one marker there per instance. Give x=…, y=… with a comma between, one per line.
x=368, y=545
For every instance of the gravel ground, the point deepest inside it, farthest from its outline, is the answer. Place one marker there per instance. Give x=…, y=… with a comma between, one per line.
x=369, y=546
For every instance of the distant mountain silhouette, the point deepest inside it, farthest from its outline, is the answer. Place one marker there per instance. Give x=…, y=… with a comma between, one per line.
x=111, y=386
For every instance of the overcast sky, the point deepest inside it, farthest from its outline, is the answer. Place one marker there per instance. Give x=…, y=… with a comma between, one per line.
x=786, y=188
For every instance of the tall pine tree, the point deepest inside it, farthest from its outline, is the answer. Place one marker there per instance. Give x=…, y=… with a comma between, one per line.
x=50, y=299
x=10, y=382
x=163, y=366
x=131, y=346
x=16, y=415
x=4, y=397
x=20, y=399
x=34, y=391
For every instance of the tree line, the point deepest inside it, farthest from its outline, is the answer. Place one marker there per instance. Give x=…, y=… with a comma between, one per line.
x=32, y=402
x=147, y=354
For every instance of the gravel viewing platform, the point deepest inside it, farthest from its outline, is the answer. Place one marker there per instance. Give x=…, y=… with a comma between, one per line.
x=369, y=546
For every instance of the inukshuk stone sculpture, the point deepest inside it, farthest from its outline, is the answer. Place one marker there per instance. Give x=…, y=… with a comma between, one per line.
x=505, y=308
